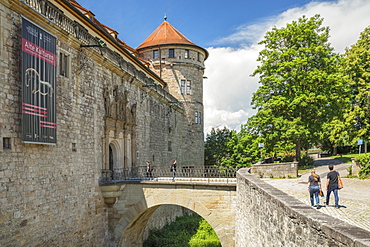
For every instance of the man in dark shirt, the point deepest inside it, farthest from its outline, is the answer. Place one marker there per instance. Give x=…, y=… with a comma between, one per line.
x=332, y=186
x=173, y=169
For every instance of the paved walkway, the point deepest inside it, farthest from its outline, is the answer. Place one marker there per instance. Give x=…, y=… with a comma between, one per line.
x=354, y=198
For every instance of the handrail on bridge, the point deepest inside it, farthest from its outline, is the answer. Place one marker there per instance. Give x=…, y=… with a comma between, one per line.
x=140, y=173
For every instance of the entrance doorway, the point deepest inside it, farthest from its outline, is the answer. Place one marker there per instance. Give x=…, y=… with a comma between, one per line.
x=110, y=158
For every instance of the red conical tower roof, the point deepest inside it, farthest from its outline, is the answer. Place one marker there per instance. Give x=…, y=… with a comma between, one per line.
x=165, y=34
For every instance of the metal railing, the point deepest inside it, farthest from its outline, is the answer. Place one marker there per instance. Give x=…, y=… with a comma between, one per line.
x=164, y=173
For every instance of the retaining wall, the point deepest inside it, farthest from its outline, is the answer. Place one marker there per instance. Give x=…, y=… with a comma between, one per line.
x=275, y=170
x=266, y=216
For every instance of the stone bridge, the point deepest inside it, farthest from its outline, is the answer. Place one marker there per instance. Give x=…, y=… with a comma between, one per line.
x=247, y=212
x=131, y=204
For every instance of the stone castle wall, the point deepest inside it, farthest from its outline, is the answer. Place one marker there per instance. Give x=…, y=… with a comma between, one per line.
x=50, y=194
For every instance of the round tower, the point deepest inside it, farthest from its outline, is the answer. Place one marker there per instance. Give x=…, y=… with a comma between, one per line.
x=180, y=63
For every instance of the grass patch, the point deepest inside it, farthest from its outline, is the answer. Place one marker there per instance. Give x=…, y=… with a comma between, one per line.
x=345, y=158
x=186, y=231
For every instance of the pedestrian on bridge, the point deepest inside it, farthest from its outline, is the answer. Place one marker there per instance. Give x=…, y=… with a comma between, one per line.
x=314, y=186
x=148, y=170
x=173, y=169
x=332, y=186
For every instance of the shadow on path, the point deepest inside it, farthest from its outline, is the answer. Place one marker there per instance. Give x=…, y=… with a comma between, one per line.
x=321, y=168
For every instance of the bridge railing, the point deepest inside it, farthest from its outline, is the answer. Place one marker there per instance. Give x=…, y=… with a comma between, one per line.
x=159, y=173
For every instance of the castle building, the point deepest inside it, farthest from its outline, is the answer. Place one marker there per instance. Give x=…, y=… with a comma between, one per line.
x=180, y=63
x=80, y=106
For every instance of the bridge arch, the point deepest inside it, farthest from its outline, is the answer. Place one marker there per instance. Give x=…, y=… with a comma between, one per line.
x=216, y=205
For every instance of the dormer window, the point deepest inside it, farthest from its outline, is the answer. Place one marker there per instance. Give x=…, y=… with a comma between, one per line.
x=187, y=53
x=155, y=54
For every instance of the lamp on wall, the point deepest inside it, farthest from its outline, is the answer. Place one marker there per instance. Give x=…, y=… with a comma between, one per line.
x=100, y=44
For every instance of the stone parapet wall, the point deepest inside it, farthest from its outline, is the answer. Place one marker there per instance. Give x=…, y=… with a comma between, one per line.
x=266, y=216
x=275, y=170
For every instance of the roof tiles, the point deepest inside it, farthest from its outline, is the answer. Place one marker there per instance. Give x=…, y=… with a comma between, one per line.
x=165, y=34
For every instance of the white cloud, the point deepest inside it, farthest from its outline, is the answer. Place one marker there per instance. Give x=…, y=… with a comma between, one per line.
x=229, y=88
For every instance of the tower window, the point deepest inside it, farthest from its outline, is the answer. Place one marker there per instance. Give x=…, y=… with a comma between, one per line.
x=171, y=52
x=198, y=56
x=198, y=117
x=155, y=54
x=187, y=53
x=182, y=87
x=188, y=87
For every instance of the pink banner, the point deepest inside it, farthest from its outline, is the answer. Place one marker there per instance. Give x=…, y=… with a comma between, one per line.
x=38, y=52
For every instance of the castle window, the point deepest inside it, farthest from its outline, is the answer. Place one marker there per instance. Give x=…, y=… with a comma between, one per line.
x=182, y=87
x=7, y=143
x=155, y=54
x=169, y=146
x=198, y=56
x=63, y=64
x=198, y=117
x=187, y=53
x=171, y=52
x=188, y=87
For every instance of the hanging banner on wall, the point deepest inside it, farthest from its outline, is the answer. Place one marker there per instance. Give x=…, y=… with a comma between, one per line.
x=38, y=85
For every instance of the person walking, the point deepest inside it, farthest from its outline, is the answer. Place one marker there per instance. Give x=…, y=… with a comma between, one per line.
x=332, y=186
x=314, y=186
x=173, y=169
x=148, y=170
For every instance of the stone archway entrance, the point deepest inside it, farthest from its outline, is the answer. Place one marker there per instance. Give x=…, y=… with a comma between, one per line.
x=110, y=158
x=119, y=141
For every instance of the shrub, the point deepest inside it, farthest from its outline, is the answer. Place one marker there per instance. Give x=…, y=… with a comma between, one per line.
x=364, y=161
x=205, y=237
x=306, y=162
x=288, y=158
x=349, y=170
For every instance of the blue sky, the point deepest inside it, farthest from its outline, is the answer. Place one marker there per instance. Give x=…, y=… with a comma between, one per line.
x=203, y=22
x=230, y=31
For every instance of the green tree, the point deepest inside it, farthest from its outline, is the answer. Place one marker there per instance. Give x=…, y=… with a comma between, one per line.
x=242, y=150
x=215, y=146
x=357, y=73
x=301, y=87
x=335, y=134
